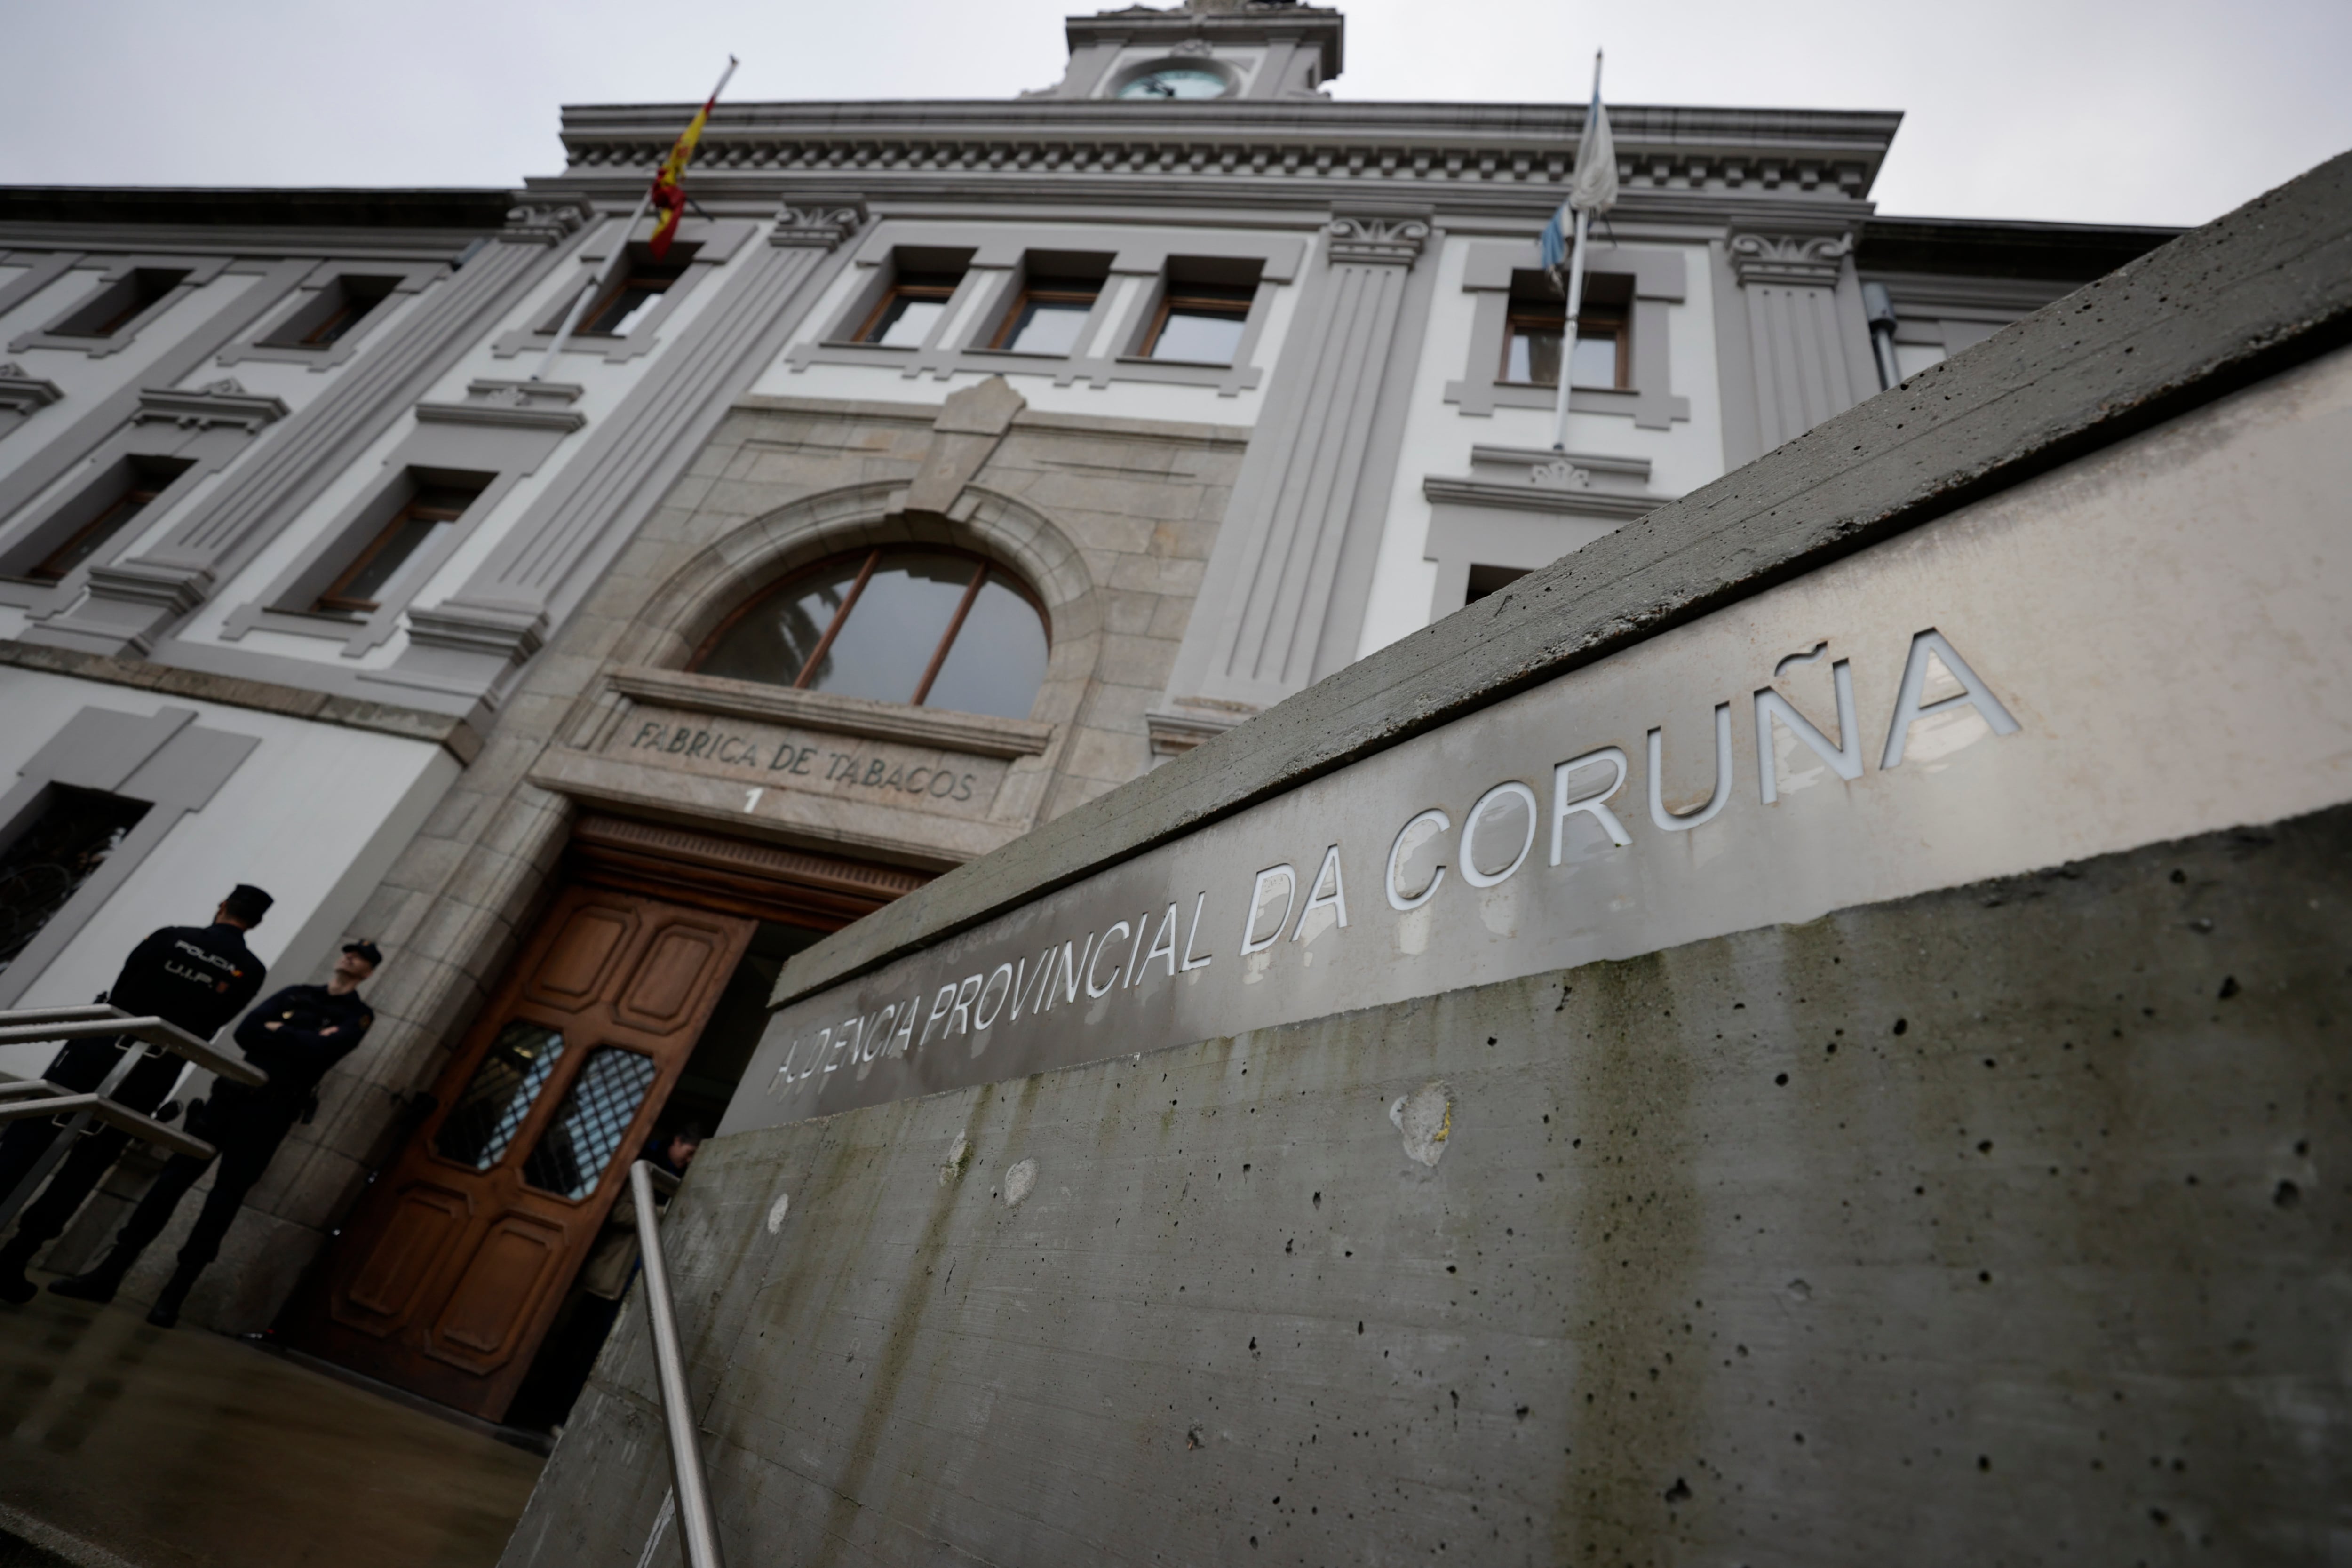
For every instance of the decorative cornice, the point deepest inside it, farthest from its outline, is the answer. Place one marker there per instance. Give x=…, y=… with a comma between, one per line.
x=972, y=733
x=1808, y=261
x=455, y=735
x=512, y=405
x=595, y=831
x=545, y=220
x=21, y=392
x=1535, y=479
x=1290, y=149
x=174, y=590
x=1554, y=499
x=503, y=631
x=1378, y=238
x=1173, y=731
x=820, y=223
x=224, y=402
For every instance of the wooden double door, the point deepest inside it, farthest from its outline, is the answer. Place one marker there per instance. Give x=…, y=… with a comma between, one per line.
x=447, y=1275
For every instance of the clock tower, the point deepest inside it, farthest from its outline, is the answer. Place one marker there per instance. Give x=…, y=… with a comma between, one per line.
x=1202, y=51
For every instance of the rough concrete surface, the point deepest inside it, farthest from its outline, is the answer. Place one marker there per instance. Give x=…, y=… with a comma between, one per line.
x=2258, y=290
x=2005, y=1224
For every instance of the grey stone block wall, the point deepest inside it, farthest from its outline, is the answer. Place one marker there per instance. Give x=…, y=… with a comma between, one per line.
x=1995, y=1225
x=1138, y=502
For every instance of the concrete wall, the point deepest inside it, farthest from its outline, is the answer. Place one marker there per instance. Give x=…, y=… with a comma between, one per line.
x=2008, y=1222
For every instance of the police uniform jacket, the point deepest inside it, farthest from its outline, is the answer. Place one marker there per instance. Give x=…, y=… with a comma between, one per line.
x=198, y=977
x=296, y=1054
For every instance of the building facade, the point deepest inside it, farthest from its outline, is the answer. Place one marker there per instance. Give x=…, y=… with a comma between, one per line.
x=962, y=462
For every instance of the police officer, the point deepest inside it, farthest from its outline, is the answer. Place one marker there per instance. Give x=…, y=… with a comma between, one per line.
x=294, y=1036
x=198, y=977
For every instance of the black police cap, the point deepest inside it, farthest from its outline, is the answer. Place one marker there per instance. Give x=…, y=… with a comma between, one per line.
x=247, y=903
x=367, y=950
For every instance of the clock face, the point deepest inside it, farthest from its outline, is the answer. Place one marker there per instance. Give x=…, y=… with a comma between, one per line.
x=1177, y=81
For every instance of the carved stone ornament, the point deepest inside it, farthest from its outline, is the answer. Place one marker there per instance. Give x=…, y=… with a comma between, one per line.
x=21, y=392
x=1559, y=474
x=819, y=224
x=1809, y=260
x=225, y=402
x=1381, y=239
x=1195, y=47
x=544, y=221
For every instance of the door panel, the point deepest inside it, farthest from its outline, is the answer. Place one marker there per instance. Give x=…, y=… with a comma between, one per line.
x=674, y=973
x=448, y=1274
x=424, y=1220
x=485, y=1315
x=584, y=950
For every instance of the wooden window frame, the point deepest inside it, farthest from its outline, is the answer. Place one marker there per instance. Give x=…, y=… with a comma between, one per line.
x=989, y=567
x=330, y=600
x=140, y=296
x=1046, y=292
x=901, y=288
x=1617, y=319
x=352, y=307
x=1175, y=297
x=149, y=479
x=639, y=268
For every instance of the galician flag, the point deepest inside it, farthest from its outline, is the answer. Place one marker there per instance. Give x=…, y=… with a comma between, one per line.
x=669, y=192
x=1593, y=188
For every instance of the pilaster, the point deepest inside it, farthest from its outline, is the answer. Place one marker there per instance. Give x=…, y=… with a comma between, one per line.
x=1801, y=366
x=1281, y=602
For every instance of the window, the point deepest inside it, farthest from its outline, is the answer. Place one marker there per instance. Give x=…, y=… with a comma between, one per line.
x=1532, y=336
x=625, y=302
x=909, y=310
x=570, y=1158
x=490, y=1111
x=105, y=511
x=930, y=627
x=1048, y=316
x=341, y=306
x=387, y=567
x=63, y=846
x=1200, y=323
x=1486, y=580
x=119, y=303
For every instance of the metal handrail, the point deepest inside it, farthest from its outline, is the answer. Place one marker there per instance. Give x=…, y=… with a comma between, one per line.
x=65, y=1103
x=98, y=1021
x=158, y=1034
x=694, y=1517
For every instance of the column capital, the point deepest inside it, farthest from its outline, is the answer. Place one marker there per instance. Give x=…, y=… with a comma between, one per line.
x=1379, y=236
x=1810, y=260
x=545, y=220
x=819, y=222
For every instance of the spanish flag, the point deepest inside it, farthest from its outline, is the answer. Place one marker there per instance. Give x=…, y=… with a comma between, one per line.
x=668, y=193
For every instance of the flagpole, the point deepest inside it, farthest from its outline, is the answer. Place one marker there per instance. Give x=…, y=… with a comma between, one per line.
x=1575, y=283
x=620, y=254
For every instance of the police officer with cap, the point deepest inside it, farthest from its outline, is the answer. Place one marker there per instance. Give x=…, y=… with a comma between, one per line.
x=294, y=1036
x=198, y=977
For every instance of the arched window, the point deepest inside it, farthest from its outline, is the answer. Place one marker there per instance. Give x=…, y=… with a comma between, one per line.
x=936, y=628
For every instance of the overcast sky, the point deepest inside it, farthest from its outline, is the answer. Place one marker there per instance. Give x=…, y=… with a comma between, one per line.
x=2159, y=112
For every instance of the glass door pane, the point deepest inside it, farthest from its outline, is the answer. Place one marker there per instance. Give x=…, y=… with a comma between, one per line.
x=581, y=1141
x=496, y=1100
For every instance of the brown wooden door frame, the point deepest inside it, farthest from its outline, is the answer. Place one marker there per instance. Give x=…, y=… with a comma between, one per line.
x=421, y=1290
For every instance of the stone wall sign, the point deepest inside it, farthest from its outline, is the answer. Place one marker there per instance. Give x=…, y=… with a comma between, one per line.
x=770, y=761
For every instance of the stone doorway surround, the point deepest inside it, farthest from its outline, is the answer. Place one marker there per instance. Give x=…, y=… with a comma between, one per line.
x=1109, y=520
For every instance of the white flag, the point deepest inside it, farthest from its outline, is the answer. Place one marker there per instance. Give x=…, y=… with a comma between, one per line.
x=1593, y=187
